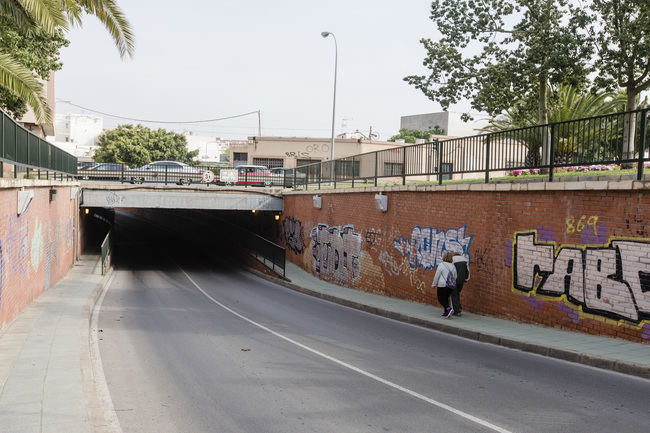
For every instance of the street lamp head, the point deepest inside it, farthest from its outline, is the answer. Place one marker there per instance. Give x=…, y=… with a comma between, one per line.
x=325, y=34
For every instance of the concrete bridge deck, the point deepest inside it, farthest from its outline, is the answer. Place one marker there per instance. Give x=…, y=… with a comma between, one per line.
x=118, y=195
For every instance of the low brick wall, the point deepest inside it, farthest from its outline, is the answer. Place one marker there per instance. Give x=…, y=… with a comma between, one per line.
x=573, y=255
x=37, y=247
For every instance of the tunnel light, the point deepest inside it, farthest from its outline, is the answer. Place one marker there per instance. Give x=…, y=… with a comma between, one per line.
x=253, y=211
x=277, y=217
x=86, y=211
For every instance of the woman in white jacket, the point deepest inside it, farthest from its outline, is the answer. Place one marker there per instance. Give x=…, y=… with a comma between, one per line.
x=445, y=281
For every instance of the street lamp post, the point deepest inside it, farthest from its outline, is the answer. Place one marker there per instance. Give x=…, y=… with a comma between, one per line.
x=336, y=58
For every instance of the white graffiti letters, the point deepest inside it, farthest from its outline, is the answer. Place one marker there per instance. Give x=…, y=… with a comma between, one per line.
x=612, y=280
x=427, y=245
x=337, y=252
x=292, y=231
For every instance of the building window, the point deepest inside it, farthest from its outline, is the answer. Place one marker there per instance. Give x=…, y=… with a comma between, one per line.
x=269, y=162
x=393, y=168
x=313, y=169
x=346, y=169
x=447, y=169
x=239, y=158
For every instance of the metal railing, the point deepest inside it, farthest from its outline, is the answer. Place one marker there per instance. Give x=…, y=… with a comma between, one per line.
x=270, y=254
x=24, y=149
x=189, y=175
x=620, y=138
x=106, y=252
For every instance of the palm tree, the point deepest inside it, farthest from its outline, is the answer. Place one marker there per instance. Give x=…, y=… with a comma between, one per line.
x=576, y=141
x=48, y=15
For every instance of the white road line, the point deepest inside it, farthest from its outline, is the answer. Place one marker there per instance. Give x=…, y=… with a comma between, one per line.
x=353, y=368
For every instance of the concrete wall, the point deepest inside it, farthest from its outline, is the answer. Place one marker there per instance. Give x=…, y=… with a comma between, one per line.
x=572, y=255
x=38, y=246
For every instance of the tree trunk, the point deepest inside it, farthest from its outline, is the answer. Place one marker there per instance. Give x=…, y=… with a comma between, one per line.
x=629, y=129
x=543, y=120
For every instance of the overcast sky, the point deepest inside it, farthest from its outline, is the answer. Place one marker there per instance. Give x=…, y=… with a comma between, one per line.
x=206, y=59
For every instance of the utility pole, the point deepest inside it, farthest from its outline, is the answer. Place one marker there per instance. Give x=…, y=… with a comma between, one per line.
x=259, y=123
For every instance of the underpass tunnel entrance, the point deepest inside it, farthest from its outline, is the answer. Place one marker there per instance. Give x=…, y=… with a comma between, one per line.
x=94, y=225
x=161, y=238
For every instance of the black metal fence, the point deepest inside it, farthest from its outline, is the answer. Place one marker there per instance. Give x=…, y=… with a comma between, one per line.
x=266, y=252
x=25, y=150
x=169, y=173
x=620, y=138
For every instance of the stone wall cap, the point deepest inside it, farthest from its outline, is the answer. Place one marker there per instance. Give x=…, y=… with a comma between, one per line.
x=593, y=183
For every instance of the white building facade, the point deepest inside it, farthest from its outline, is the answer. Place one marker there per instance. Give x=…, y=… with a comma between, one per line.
x=78, y=133
x=450, y=121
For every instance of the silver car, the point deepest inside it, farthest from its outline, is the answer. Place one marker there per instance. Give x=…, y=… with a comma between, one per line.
x=166, y=171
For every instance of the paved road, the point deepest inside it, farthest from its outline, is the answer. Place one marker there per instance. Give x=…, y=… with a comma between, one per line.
x=192, y=346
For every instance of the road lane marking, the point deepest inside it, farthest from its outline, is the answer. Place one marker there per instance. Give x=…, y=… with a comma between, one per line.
x=386, y=382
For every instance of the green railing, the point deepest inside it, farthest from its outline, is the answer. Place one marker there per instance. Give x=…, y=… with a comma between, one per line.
x=22, y=148
x=106, y=252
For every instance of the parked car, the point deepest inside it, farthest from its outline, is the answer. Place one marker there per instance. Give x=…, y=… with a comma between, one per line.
x=103, y=171
x=85, y=165
x=257, y=175
x=166, y=171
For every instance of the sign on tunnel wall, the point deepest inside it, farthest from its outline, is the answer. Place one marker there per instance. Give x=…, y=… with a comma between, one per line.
x=532, y=257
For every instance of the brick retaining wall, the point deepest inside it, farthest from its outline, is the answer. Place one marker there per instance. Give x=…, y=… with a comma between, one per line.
x=569, y=255
x=37, y=247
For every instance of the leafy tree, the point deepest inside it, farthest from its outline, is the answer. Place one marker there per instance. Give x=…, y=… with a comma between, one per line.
x=547, y=46
x=51, y=16
x=410, y=135
x=622, y=29
x=37, y=50
x=139, y=145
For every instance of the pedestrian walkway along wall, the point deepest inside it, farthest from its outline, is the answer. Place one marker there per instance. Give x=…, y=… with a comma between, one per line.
x=572, y=255
x=38, y=239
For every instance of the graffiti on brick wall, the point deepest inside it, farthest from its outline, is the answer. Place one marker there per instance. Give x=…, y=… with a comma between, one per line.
x=293, y=234
x=427, y=245
x=336, y=252
x=37, y=246
x=16, y=244
x=373, y=238
x=612, y=280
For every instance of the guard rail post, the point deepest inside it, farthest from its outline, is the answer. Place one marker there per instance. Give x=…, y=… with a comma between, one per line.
x=320, y=173
x=403, y=165
x=551, y=161
x=166, y=168
x=640, y=163
x=122, y=176
x=245, y=178
x=440, y=144
x=376, y=163
x=487, y=158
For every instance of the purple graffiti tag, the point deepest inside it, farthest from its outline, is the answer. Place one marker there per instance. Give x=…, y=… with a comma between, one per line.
x=545, y=234
x=588, y=236
x=646, y=331
x=573, y=314
x=508, y=253
x=534, y=303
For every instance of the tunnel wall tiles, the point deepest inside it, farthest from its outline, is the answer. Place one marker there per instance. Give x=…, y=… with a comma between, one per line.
x=573, y=260
x=36, y=247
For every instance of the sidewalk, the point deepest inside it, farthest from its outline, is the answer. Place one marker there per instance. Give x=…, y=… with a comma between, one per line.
x=45, y=370
x=603, y=352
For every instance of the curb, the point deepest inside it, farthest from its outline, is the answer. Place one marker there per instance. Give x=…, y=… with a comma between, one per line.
x=552, y=352
x=100, y=422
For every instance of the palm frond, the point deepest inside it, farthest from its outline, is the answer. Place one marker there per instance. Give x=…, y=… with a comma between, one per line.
x=14, y=10
x=23, y=83
x=114, y=20
x=47, y=14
